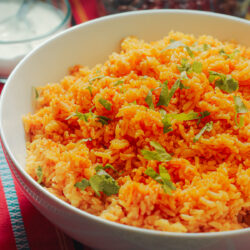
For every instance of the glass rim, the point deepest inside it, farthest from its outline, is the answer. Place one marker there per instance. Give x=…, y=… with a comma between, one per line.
x=51, y=32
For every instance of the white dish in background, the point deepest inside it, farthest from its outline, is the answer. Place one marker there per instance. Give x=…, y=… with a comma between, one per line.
x=88, y=44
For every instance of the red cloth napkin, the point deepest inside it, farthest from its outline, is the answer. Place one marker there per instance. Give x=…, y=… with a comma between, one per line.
x=21, y=225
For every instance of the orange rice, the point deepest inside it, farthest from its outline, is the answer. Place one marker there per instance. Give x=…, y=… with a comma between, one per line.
x=212, y=176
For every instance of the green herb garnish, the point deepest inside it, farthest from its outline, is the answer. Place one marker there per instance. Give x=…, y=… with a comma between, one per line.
x=95, y=78
x=167, y=126
x=89, y=88
x=82, y=184
x=159, y=154
x=80, y=116
x=240, y=108
x=184, y=76
x=106, y=104
x=203, y=115
x=100, y=182
x=39, y=173
x=197, y=67
x=231, y=56
x=99, y=167
x=85, y=116
x=36, y=93
x=185, y=66
x=224, y=82
x=119, y=82
x=174, y=45
x=103, y=119
x=163, y=178
x=149, y=100
x=165, y=95
x=208, y=127
x=206, y=47
x=189, y=51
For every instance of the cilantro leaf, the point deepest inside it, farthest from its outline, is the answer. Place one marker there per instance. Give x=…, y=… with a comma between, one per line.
x=99, y=167
x=240, y=108
x=103, y=119
x=159, y=154
x=89, y=88
x=95, y=78
x=224, y=82
x=208, y=127
x=197, y=67
x=167, y=127
x=36, y=93
x=82, y=184
x=206, y=47
x=231, y=56
x=118, y=82
x=39, y=173
x=149, y=100
x=103, y=182
x=185, y=66
x=203, y=115
x=174, y=45
x=81, y=116
x=184, y=116
x=189, y=51
x=163, y=178
x=183, y=76
x=106, y=104
x=165, y=95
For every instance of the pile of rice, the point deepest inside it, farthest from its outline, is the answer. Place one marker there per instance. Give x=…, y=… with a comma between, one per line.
x=211, y=176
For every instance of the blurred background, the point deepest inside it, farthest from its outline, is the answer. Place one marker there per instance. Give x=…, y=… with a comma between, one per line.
x=231, y=7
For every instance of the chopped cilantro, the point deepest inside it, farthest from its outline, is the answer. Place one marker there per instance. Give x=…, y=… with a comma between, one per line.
x=203, y=115
x=82, y=184
x=106, y=104
x=100, y=182
x=99, y=167
x=95, y=78
x=167, y=127
x=165, y=95
x=36, y=93
x=119, y=82
x=208, y=127
x=184, y=76
x=103, y=182
x=231, y=56
x=184, y=116
x=240, y=108
x=206, y=47
x=89, y=88
x=185, y=66
x=174, y=45
x=149, y=100
x=189, y=51
x=103, y=119
x=159, y=154
x=81, y=116
x=172, y=40
x=39, y=173
x=85, y=116
x=224, y=82
x=197, y=67
x=163, y=178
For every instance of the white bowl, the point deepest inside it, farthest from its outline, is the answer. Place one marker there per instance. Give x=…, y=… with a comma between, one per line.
x=89, y=44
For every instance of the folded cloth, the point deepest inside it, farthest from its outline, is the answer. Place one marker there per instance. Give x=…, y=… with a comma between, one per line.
x=21, y=225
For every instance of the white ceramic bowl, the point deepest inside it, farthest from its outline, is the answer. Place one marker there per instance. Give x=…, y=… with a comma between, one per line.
x=88, y=44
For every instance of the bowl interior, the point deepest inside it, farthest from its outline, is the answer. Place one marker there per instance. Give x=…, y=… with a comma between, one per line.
x=92, y=43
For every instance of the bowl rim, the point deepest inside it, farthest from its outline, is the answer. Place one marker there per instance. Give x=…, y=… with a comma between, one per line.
x=64, y=21
x=71, y=208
